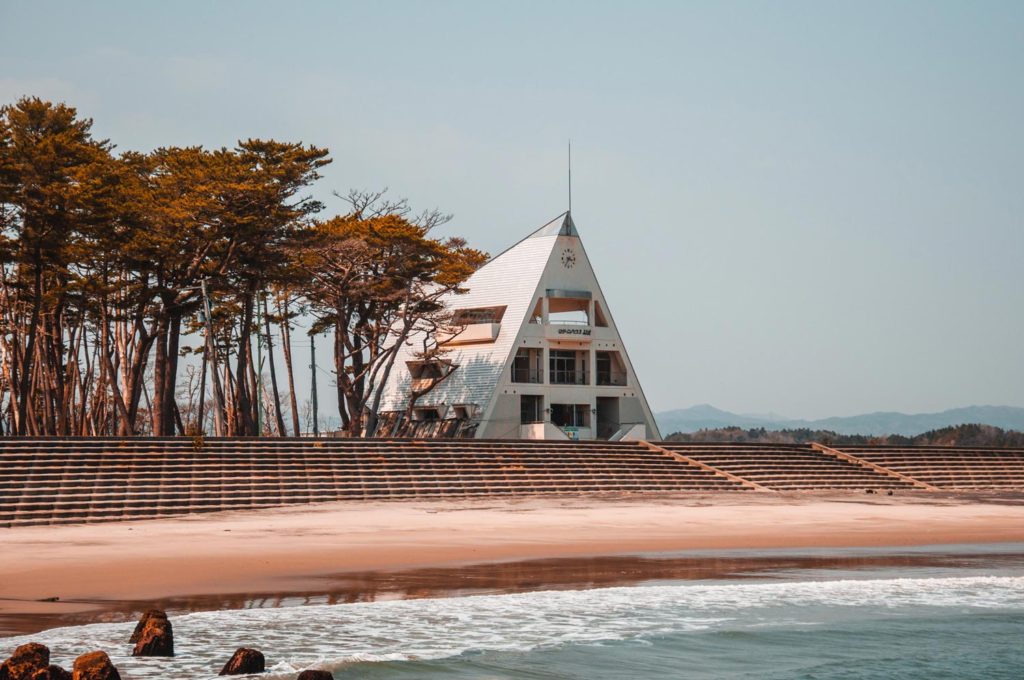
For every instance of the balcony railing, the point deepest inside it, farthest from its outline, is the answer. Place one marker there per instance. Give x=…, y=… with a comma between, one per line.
x=567, y=377
x=527, y=375
x=617, y=378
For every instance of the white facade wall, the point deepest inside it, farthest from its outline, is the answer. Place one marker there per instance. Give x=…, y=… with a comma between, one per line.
x=552, y=258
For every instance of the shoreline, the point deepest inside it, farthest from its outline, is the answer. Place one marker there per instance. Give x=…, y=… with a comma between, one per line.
x=404, y=549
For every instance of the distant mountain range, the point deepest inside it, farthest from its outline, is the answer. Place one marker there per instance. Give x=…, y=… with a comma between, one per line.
x=707, y=417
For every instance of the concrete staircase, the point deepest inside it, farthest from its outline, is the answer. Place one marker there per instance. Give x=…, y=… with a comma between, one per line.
x=71, y=480
x=946, y=467
x=786, y=467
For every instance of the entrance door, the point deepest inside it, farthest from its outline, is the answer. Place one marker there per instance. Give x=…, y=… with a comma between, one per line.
x=531, y=409
x=607, y=416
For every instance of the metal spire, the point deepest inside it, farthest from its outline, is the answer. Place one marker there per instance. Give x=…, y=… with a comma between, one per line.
x=570, y=175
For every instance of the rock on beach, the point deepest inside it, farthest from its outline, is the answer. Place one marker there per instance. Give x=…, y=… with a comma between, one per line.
x=315, y=675
x=94, y=666
x=52, y=673
x=146, y=617
x=243, y=662
x=156, y=637
x=26, y=660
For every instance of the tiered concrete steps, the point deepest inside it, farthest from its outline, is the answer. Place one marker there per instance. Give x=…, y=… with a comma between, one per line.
x=948, y=467
x=68, y=480
x=786, y=467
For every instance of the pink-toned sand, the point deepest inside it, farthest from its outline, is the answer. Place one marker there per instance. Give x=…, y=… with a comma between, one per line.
x=290, y=549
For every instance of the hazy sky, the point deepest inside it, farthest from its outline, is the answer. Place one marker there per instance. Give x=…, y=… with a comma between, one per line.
x=809, y=208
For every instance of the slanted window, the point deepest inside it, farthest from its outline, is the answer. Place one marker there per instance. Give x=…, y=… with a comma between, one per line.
x=538, y=312
x=475, y=315
x=610, y=368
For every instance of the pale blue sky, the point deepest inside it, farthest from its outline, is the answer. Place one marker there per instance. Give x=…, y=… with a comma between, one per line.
x=811, y=208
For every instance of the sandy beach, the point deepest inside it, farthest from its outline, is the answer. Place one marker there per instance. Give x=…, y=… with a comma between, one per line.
x=47, y=573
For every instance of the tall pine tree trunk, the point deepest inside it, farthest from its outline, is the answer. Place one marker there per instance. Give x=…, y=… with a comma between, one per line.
x=286, y=341
x=278, y=418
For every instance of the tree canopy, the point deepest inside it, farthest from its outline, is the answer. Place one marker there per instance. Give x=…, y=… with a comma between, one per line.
x=110, y=262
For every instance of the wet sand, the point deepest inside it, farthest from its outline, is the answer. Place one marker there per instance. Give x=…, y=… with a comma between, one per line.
x=344, y=552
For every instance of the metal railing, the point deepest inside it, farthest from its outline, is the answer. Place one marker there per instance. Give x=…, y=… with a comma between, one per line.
x=569, y=377
x=527, y=375
x=611, y=378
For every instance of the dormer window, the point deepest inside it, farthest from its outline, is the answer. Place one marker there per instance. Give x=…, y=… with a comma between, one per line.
x=473, y=325
x=427, y=370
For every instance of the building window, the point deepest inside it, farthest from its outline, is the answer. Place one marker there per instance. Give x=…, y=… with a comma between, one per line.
x=531, y=409
x=538, y=312
x=608, y=369
x=567, y=367
x=526, y=367
x=427, y=370
x=570, y=415
x=427, y=414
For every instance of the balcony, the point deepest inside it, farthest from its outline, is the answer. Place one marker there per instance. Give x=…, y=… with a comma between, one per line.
x=616, y=378
x=527, y=375
x=569, y=377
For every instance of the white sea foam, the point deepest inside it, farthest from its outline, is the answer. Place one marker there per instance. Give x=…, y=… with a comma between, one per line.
x=328, y=636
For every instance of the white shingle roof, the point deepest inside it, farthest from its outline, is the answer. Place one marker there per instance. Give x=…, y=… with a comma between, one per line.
x=509, y=279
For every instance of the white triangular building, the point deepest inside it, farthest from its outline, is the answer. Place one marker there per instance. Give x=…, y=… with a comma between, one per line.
x=538, y=356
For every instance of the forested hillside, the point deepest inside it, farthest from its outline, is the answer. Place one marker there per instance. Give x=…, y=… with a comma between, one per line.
x=959, y=435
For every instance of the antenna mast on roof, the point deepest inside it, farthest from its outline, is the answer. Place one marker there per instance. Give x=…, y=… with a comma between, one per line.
x=570, y=175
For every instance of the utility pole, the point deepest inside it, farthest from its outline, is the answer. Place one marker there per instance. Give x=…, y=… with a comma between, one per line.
x=218, y=413
x=312, y=391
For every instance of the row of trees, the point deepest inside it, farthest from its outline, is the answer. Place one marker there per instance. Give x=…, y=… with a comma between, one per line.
x=110, y=264
x=957, y=435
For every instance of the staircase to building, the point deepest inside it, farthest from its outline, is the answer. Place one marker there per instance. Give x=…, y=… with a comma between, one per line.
x=787, y=467
x=70, y=480
x=952, y=468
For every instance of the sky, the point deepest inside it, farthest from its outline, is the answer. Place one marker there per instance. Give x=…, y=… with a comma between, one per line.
x=806, y=208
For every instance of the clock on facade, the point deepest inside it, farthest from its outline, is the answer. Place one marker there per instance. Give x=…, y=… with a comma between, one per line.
x=568, y=258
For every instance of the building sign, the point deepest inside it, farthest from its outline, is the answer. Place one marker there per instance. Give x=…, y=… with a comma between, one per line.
x=569, y=332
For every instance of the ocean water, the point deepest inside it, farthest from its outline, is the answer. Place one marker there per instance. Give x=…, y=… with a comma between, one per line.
x=893, y=623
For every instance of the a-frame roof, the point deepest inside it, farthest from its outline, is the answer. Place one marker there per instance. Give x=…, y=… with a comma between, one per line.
x=509, y=279
x=515, y=279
